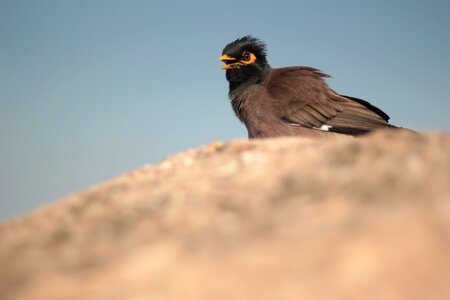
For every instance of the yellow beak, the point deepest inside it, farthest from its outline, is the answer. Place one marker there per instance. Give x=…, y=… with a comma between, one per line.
x=235, y=65
x=227, y=67
x=226, y=57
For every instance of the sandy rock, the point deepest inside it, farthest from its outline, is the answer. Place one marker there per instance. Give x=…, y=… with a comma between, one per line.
x=287, y=218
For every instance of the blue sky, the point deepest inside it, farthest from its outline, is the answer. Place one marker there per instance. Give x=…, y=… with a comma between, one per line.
x=92, y=89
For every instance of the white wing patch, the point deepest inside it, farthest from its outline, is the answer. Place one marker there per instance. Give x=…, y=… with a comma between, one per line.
x=324, y=127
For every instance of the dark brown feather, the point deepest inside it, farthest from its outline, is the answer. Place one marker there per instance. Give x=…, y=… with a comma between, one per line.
x=303, y=98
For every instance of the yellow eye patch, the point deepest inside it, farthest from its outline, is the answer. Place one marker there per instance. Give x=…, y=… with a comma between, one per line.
x=247, y=58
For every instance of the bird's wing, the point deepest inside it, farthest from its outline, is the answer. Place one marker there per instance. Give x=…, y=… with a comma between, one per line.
x=304, y=99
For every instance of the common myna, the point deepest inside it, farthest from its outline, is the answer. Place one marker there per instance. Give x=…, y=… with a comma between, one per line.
x=290, y=101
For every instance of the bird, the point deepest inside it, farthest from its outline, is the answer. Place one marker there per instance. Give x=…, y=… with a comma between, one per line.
x=291, y=101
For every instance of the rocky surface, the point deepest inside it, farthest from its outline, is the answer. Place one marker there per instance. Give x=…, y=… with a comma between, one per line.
x=289, y=218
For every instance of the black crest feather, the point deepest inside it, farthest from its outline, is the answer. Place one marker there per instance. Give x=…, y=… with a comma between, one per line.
x=247, y=42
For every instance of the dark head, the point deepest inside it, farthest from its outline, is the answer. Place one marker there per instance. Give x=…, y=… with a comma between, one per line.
x=244, y=59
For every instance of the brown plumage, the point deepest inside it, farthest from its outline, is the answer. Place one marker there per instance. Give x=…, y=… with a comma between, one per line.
x=290, y=101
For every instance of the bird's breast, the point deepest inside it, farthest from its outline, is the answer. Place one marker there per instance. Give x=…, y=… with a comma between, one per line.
x=244, y=101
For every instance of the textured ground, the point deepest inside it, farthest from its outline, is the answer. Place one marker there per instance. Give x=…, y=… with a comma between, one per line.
x=290, y=218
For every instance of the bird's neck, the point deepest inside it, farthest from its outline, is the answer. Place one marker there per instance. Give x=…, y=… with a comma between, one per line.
x=240, y=81
x=240, y=91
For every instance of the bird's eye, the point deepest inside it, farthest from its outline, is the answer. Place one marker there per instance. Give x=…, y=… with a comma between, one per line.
x=246, y=56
